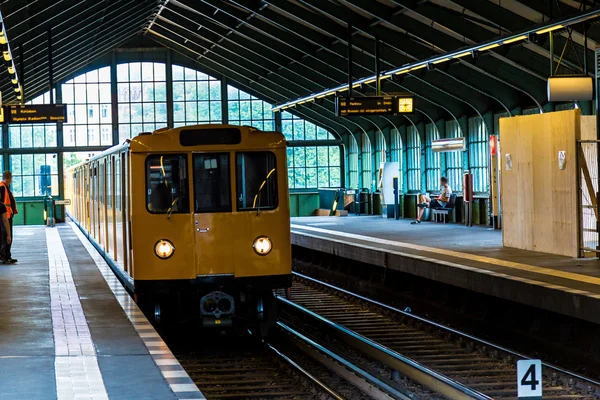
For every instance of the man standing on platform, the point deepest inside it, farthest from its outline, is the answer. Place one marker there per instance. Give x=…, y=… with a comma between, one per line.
x=6, y=197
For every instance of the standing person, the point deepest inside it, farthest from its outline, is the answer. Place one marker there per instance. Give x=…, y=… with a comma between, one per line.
x=438, y=202
x=6, y=197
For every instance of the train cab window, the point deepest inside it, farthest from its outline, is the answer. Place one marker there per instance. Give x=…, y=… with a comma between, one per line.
x=212, y=187
x=256, y=181
x=167, y=184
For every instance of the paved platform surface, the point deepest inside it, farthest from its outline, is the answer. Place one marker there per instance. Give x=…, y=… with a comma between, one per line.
x=70, y=331
x=471, y=258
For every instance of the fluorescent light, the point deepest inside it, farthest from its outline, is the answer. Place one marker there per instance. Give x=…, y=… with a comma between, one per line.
x=385, y=76
x=491, y=46
x=370, y=81
x=450, y=144
x=403, y=71
x=441, y=61
x=550, y=29
x=418, y=67
x=466, y=53
x=515, y=39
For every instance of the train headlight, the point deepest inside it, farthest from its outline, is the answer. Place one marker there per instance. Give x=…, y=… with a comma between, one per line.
x=164, y=249
x=262, y=245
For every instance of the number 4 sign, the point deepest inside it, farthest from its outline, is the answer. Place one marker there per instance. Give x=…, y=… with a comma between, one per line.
x=529, y=379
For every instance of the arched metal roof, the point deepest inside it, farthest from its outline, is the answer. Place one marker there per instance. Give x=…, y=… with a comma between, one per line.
x=281, y=50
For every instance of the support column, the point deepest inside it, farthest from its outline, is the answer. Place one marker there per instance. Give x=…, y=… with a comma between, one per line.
x=224, y=103
x=114, y=98
x=59, y=145
x=278, y=126
x=169, y=78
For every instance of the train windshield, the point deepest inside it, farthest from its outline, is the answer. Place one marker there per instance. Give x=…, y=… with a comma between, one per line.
x=212, y=187
x=167, y=184
x=256, y=181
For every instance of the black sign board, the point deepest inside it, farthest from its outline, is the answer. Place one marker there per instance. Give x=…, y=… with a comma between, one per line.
x=373, y=105
x=35, y=114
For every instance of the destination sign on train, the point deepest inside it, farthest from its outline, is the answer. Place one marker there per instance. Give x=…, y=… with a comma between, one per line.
x=373, y=105
x=35, y=114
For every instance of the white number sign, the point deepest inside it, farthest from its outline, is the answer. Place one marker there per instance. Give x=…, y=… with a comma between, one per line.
x=529, y=379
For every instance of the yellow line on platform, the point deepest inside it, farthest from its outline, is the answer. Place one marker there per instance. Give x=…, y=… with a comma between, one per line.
x=457, y=254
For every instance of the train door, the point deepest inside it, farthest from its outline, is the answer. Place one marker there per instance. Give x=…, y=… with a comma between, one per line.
x=101, y=205
x=212, y=176
x=94, y=201
x=119, y=225
x=110, y=226
x=126, y=190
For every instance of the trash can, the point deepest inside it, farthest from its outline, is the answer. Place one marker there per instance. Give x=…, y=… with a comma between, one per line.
x=377, y=208
x=365, y=202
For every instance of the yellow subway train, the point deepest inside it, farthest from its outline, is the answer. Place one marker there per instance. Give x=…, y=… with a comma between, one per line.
x=192, y=218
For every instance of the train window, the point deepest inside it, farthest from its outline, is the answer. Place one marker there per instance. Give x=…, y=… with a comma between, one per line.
x=212, y=187
x=167, y=184
x=256, y=181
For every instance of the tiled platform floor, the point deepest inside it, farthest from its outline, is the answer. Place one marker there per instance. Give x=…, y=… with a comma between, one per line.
x=70, y=331
x=472, y=258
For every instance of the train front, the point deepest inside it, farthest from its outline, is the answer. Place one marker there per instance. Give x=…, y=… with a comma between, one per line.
x=222, y=223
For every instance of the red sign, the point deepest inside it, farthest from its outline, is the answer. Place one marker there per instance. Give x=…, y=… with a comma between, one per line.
x=493, y=144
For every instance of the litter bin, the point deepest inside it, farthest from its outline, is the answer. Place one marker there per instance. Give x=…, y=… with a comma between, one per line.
x=365, y=202
x=377, y=208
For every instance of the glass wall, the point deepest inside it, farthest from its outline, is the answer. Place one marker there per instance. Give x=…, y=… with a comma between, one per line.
x=89, y=112
x=141, y=98
x=366, y=162
x=196, y=98
x=139, y=90
x=454, y=159
x=352, y=163
x=413, y=159
x=432, y=160
x=34, y=174
x=245, y=109
x=310, y=167
x=478, y=155
x=26, y=136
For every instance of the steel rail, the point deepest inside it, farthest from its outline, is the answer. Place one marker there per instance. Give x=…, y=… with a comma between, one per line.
x=505, y=350
x=381, y=389
x=305, y=373
x=412, y=369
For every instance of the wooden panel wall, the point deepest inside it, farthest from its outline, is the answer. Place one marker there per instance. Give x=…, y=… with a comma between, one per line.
x=539, y=201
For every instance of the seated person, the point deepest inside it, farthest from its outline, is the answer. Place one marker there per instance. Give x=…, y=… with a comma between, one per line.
x=438, y=202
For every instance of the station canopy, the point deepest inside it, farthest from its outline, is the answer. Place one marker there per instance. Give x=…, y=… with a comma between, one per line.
x=284, y=50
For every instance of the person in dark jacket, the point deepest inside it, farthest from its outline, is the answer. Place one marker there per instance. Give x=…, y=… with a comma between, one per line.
x=6, y=197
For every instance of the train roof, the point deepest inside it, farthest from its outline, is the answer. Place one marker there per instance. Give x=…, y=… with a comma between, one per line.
x=208, y=137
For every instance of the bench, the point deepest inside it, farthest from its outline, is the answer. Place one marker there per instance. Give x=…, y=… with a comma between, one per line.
x=446, y=210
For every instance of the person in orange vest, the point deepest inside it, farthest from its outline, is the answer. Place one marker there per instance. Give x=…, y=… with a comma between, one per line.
x=6, y=197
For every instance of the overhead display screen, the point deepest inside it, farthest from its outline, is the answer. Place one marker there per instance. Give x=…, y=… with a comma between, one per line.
x=373, y=105
x=35, y=114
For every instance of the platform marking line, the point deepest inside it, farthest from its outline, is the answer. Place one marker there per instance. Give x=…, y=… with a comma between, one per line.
x=184, y=388
x=76, y=367
x=464, y=267
x=473, y=257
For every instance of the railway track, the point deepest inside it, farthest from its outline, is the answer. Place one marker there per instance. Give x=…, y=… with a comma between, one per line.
x=243, y=374
x=288, y=366
x=442, y=359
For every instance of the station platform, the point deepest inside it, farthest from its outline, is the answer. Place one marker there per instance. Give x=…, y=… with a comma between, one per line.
x=69, y=330
x=470, y=258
